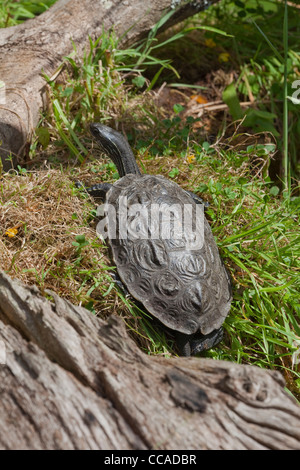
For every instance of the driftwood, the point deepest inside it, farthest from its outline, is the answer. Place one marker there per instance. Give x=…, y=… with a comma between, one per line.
x=72, y=381
x=39, y=45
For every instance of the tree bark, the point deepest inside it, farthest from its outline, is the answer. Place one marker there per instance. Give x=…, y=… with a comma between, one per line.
x=69, y=380
x=39, y=45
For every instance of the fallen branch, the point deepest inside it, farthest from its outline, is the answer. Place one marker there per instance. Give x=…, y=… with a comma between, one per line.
x=73, y=381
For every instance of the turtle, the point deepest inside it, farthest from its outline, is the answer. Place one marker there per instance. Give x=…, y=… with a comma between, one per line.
x=177, y=275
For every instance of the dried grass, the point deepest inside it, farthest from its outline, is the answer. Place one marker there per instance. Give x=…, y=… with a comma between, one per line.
x=48, y=213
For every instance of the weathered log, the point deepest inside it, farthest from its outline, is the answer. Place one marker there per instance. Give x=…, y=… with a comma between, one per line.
x=72, y=381
x=39, y=45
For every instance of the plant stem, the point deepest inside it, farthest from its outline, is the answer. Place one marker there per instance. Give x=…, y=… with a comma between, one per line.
x=286, y=163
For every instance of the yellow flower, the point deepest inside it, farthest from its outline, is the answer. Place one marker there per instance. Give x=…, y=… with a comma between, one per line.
x=11, y=232
x=224, y=57
x=199, y=98
x=191, y=158
x=210, y=43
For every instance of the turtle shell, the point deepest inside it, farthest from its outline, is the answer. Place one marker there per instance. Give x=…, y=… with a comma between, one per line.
x=165, y=264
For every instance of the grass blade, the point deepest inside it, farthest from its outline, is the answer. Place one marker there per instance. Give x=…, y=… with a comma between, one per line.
x=274, y=49
x=286, y=163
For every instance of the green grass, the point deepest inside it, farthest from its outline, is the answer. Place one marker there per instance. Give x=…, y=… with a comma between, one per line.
x=258, y=234
x=262, y=44
x=255, y=222
x=15, y=12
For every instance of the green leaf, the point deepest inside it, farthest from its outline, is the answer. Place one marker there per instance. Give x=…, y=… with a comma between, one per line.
x=242, y=180
x=202, y=188
x=155, y=78
x=231, y=99
x=274, y=190
x=178, y=108
x=61, y=118
x=260, y=121
x=67, y=91
x=43, y=136
x=257, y=113
x=187, y=85
x=274, y=49
x=139, y=81
x=173, y=173
x=206, y=146
x=80, y=241
x=212, y=29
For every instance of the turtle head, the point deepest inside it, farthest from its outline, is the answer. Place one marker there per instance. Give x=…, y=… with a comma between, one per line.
x=114, y=144
x=107, y=138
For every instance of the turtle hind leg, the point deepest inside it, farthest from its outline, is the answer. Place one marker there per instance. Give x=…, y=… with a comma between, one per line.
x=98, y=190
x=204, y=342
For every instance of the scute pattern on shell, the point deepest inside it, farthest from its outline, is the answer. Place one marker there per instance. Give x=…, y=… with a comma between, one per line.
x=187, y=290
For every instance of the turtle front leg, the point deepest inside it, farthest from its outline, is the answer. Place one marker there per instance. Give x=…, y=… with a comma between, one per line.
x=201, y=342
x=97, y=191
x=197, y=199
x=183, y=343
x=117, y=280
x=190, y=345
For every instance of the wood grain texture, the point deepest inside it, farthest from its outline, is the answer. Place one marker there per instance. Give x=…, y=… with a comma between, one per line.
x=73, y=381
